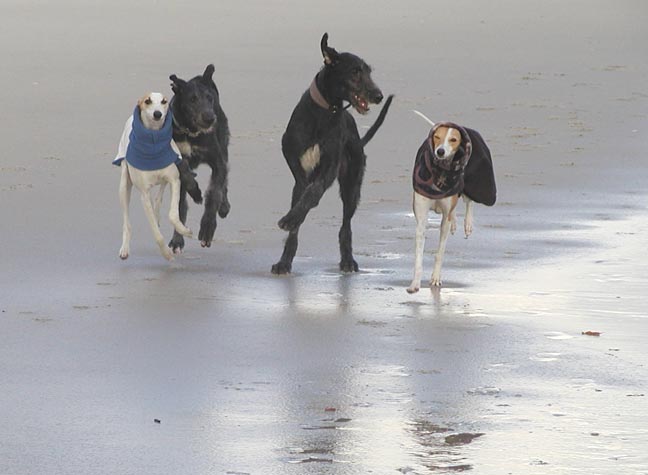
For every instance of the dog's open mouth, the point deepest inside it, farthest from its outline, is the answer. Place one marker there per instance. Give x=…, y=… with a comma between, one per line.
x=359, y=103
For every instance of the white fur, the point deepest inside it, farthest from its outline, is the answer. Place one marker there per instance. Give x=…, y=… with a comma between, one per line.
x=145, y=180
x=310, y=159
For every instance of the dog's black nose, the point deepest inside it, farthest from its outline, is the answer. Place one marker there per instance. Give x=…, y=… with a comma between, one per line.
x=157, y=115
x=378, y=97
x=208, y=117
x=440, y=152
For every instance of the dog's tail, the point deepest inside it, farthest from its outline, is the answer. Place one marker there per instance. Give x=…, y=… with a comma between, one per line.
x=376, y=125
x=423, y=116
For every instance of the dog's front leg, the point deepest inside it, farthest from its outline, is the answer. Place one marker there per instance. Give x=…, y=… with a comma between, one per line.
x=174, y=214
x=150, y=214
x=176, y=244
x=309, y=199
x=188, y=181
x=284, y=266
x=213, y=200
x=421, y=208
x=157, y=202
x=125, y=187
x=446, y=210
x=468, y=220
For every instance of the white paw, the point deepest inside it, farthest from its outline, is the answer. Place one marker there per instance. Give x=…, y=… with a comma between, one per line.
x=185, y=231
x=435, y=281
x=123, y=253
x=468, y=228
x=166, y=253
x=453, y=226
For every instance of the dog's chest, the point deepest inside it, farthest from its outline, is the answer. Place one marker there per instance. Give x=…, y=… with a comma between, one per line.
x=310, y=159
x=185, y=147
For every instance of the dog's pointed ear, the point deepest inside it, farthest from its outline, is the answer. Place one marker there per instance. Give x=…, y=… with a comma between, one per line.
x=330, y=55
x=209, y=72
x=176, y=83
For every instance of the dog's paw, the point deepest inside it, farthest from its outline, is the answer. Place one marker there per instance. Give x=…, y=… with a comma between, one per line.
x=412, y=289
x=224, y=208
x=453, y=226
x=196, y=194
x=468, y=228
x=290, y=222
x=348, y=265
x=281, y=268
x=435, y=281
x=166, y=253
x=207, y=230
x=176, y=244
x=123, y=253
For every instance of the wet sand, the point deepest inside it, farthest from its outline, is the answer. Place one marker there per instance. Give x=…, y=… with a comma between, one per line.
x=318, y=372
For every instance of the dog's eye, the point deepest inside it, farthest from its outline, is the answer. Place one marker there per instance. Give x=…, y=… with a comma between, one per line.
x=164, y=101
x=148, y=102
x=453, y=140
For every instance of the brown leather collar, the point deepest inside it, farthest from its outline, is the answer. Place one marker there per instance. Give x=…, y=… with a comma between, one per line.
x=318, y=98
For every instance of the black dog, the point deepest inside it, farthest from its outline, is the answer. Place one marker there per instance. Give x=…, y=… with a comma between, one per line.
x=322, y=142
x=201, y=132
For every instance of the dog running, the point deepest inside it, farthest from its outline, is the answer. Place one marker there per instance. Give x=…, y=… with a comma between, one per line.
x=453, y=161
x=201, y=131
x=148, y=156
x=321, y=142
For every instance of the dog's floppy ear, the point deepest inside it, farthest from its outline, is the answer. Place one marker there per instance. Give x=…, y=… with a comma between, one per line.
x=176, y=83
x=330, y=55
x=209, y=71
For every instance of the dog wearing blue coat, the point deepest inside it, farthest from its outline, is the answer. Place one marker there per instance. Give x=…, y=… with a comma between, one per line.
x=148, y=156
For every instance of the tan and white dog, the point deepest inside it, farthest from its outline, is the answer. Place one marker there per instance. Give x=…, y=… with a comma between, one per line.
x=147, y=155
x=441, y=175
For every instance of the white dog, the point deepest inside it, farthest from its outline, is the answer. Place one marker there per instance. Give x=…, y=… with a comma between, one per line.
x=148, y=155
x=453, y=162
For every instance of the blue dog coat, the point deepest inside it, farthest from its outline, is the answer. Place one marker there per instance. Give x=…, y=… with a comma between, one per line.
x=146, y=149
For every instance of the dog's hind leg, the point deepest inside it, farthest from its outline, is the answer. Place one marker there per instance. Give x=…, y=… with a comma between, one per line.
x=284, y=266
x=447, y=207
x=150, y=214
x=174, y=214
x=176, y=244
x=468, y=220
x=421, y=208
x=125, y=187
x=350, y=178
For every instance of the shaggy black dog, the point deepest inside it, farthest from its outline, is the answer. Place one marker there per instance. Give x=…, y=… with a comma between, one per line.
x=200, y=129
x=322, y=142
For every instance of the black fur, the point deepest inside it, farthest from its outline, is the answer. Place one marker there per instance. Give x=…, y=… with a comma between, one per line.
x=344, y=77
x=200, y=122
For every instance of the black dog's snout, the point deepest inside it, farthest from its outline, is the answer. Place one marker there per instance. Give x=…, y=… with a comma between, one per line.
x=208, y=117
x=157, y=115
x=378, y=96
x=440, y=152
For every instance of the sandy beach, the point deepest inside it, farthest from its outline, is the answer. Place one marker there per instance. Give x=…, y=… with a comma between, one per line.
x=212, y=365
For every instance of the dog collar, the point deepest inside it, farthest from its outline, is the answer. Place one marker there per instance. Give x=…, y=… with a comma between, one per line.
x=186, y=131
x=318, y=99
